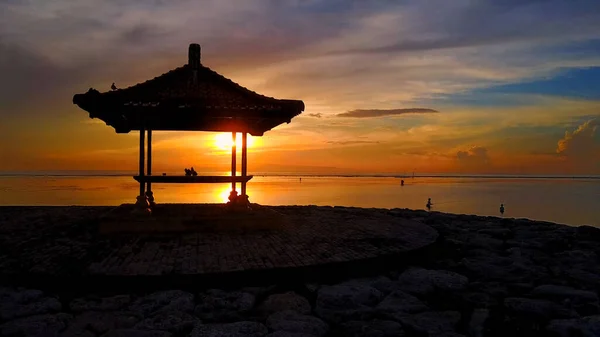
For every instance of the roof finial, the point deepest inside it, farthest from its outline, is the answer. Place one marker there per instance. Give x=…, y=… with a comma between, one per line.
x=194, y=56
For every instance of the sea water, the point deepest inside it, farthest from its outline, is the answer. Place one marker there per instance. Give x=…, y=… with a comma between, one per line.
x=573, y=201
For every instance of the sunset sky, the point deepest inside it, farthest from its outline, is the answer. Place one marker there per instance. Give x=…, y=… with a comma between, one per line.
x=506, y=86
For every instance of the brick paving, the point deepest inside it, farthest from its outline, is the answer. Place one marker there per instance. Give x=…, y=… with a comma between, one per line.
x=66, y=241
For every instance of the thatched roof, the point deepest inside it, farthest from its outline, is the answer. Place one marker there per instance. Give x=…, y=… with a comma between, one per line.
x=189, y=98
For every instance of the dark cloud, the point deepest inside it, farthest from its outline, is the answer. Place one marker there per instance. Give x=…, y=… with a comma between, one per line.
x=582, y=144
x=317, y=115
x=352, y=142
x=475, y=156
x=486, y=23
x=368, y=113
x=143, y=34
x=27, y=76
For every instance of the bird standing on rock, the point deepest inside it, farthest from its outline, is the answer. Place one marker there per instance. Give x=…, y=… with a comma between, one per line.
x=501, y=208
x=113, y=87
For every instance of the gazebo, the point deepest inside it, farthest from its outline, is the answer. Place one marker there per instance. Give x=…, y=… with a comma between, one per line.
x=189, y=98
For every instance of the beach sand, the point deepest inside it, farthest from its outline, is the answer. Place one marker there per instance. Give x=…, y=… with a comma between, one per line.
x=479, y=276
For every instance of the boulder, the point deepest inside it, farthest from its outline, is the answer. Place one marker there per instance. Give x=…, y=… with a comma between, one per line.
x=588, y=233
x=581, y=327
x=99, y=303
x=381, y=283
x=479, y=241
x=343, y=302
x=497, y=233
x=374, y=328
x=536, y=309
x=99, y=322
x=294, y=322
x=478, y=300
x=46, y=325
x=136, y=333
x=432, y=323
x=28, y=306
x=224, y=306
x=237, y=329
x=477, y=322
x=164, y=300
x=19, y=295
x=173, y=321
x=561, y=293
x=498, y=268
x=420, y=281
x=401, y=302
x=286, y=301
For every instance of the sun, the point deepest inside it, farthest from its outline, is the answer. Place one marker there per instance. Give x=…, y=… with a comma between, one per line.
x=223, y=141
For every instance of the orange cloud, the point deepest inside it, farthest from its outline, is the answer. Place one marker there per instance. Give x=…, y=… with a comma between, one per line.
x=581, y=142
x=475, y=156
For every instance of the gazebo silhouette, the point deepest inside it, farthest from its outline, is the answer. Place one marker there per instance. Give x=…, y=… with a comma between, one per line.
x=189, y=98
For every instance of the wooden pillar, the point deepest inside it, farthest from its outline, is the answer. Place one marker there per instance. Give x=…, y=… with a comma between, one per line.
x=142, y=200
x=233, y=159
x=149, y=166
x=149, y=193
x=244, y=161
x=142, y=163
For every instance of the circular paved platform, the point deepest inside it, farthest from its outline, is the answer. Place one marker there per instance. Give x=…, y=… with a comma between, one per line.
x=301, y=240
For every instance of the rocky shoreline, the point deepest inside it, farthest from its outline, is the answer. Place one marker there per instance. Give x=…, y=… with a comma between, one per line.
x=484, y=276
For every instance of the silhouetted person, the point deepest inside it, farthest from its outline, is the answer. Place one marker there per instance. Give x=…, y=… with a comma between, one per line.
x=402, y=182
x=502, y=209
x=429, y=204
x=193, y=172
x=187, y=172
x=113, y=86
x=300, y=179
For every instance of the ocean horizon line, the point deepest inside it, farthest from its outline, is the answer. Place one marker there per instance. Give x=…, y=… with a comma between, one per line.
x=308, y=174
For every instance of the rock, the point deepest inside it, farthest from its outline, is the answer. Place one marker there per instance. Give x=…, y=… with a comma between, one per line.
x=164, y=300
x=583, y=259
x=222, y=306
x=259, y=292
x=40, y=325
x=19, y=295
x=537, y=309
x=237, y=329
x=173, y=321
x=288, y=334
x=494, y=267
x=381, y=283
x=576, y=327
x=561, y=293
x=423, y=282
x=477, y=322
x=582, y=277
x=494, y=289
x=45, y=305
x=401, y=302
x=99, y=304
x=343, y=302
x=136, y=333
x=588, y=233
x=99, y=322
x=286, y=301
x=432, y=322
x=312, y=287
x=477, y=241
x=497, y=233
x=374, y=328
x=291, y=321
x=478, y=300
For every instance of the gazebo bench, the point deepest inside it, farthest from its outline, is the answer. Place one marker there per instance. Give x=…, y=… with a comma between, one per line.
x=192, y=179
